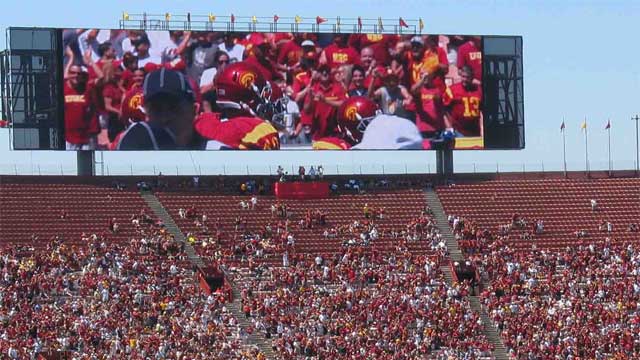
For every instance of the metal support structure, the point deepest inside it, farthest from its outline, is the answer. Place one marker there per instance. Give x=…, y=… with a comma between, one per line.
x=31, y=88
x=86, y=163
x=211, y=22
x=503, y=79
x=444, y=162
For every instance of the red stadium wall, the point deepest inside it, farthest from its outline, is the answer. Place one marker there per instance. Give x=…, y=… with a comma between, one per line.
x=301, y=190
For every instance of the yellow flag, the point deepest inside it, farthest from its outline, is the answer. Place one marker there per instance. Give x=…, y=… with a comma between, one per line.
x=212, y=17
x=584, y=125
x=254, y=19
x=421, y=24
x=298, y=19
x=167, y=16
x=125, y=16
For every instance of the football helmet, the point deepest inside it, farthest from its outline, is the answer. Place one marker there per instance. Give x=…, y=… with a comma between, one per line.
x=354, y=115
x=241, y=86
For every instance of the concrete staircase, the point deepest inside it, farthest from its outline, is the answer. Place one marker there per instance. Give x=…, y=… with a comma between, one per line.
x=490, y=331
x=236, y=305
x=441, y=220
x=156, y=206
x=255, y=338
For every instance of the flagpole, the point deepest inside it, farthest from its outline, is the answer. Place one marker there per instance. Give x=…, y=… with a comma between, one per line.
x=609, y=143
x=636, y=118
x=586, y=147
x=564, y=148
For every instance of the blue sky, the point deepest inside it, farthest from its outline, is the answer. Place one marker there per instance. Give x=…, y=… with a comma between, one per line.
x=581, y=59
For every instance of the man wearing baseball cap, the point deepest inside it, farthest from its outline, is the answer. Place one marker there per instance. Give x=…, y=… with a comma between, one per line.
x=170, y=109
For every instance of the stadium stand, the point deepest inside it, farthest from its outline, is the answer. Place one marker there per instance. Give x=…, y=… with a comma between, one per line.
x=564, y=206
x=569, y=291
x=33, y=213
x=329, y=293
x=98, y=298
x=401, y=209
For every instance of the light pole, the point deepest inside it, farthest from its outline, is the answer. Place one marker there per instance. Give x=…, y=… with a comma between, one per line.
x=636, y=118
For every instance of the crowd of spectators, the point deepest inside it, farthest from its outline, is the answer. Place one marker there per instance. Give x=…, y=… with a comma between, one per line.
x=96, y=299
x=360, y=305
x=576, y=303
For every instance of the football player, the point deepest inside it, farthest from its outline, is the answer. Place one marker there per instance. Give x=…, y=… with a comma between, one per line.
x=240, y=115
x=353, y=116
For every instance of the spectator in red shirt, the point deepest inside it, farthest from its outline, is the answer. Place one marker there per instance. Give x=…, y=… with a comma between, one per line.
x=463, y=101
x=425, y=56
x=370, y=65
x=301, y=88
x=129, y=66
x=378, y=43
x=469, y=54
x=260, y=59
x=429, y=107
x=322, y=102
x=132, y=103
x=339, y=53
x=78, y=109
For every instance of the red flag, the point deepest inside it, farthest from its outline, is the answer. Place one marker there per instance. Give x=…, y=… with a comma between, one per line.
x=276, y=18
x=562, y=126
x=359, y=23
x=320, y=20
x=403, y=23
x=608, y=125
x=233, y=19
x=4, y=123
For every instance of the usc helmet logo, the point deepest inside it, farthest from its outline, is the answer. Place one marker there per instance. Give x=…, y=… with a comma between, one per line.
x=135, y=101
x=351, y=113
x=247, y=79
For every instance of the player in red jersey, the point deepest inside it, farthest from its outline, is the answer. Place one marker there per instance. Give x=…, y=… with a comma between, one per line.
x=339, y=53
x=237, y=117
x=354, y=115
x=321, y=103
x=469, y=54
x=463, y=101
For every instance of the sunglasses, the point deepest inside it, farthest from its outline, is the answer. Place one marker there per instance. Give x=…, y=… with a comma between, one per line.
x=223, y=62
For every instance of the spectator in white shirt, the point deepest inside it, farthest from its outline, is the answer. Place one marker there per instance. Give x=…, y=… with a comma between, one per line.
x=234, y=50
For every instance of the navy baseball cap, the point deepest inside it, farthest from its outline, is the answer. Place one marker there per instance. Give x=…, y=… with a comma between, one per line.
x=165, y=81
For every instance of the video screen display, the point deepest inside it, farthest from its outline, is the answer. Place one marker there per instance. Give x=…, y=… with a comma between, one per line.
x=197, y=90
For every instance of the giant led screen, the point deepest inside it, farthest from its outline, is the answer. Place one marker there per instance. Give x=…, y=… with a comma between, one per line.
x=182, y=90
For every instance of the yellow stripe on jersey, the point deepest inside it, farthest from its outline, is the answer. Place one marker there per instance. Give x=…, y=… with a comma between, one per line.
x=259, y=132
x=475, y=142
x=325, y=145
